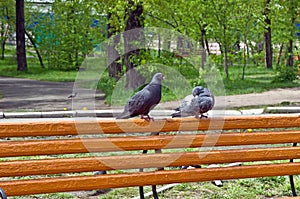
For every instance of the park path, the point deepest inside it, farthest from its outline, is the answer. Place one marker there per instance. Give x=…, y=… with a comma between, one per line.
x=31, y=95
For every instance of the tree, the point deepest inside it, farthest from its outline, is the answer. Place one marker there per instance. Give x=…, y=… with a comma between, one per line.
x=246, y=26
x=20, y=36
x=64, y=32
x=4, y=27
x=293, y=12
x=284, y=15
x=114, y=11
x=134, y=19
x=227, y=22
x=7, y=25
x=222, y=18
x=124, y=16
x=268, y=35
x=114, y=65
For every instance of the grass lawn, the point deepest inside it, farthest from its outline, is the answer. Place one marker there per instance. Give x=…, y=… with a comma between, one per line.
x=257, y=79
x=252, y=188
x=35, y=71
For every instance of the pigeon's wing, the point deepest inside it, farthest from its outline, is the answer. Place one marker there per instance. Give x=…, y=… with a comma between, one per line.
x=186, y=108
x=137, y=102
x=133, y=105
x=205, y=104
x=208, y=94
x=184, y=103
x=141, y=103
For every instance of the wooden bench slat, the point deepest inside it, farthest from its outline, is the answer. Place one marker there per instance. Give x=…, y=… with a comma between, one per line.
x=91, y=126
x=110, y=144
x=63, y=184
x=67, y=165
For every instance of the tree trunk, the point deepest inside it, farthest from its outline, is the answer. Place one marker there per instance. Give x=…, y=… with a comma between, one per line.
x=20, y=36
x=279, y=56
x=290, y=61
x=4, y=30
x=268, y=37
x=159, y=46
x=203, y=51
x=35, y=48
x=134, y=20
x=268, y=49
x=207, y=46
x=114, y=67
x=245, y=56
x=226, y=64
x=3, y=49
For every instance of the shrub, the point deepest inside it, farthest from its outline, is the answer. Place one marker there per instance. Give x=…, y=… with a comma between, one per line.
x=285, y=73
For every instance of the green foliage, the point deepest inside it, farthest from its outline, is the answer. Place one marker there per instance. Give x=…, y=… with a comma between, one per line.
x=285, y=74
x=6, y=25
x=107, y=85
x=166, y=58
x=65, y=36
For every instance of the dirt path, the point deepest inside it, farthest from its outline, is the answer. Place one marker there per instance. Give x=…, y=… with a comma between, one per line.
x=268, y=98
x=31, y=95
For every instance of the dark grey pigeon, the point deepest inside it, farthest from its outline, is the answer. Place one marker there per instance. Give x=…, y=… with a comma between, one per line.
x=201, y=101
x=144, y=100
x=197, y=90
x=206, y=101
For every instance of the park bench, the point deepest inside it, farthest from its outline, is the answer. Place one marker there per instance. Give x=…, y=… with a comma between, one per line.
x=50, y=156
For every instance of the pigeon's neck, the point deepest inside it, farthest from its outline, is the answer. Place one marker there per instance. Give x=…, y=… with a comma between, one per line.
x=155, y=84
x=155, y=81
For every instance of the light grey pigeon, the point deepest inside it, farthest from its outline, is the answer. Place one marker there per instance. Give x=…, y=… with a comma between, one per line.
x=201, y=101
x=144, y=100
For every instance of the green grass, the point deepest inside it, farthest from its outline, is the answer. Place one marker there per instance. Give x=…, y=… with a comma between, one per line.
x=253, y=188
x=257, y=80
x=35, y=71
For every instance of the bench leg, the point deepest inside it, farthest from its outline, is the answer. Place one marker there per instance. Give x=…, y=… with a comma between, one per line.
x=2, y=194
x=141, y=188
x=154, y=190
x=291, y=177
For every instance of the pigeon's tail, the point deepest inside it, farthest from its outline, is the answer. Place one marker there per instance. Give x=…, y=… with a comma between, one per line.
x=177, y=114
x=123, y=115
x=177, y=109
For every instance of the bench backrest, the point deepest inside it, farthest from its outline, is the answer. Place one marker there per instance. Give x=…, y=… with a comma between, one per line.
x=62, y=155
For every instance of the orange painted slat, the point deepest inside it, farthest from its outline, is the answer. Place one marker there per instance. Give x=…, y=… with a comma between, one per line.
x=68, y=146
x=70, y=165
x=25, y=187
x=90, y=126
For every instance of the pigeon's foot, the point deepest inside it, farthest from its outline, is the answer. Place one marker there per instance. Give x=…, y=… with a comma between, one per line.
x=147, y=118
x=201, y=116
x=205, y=116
